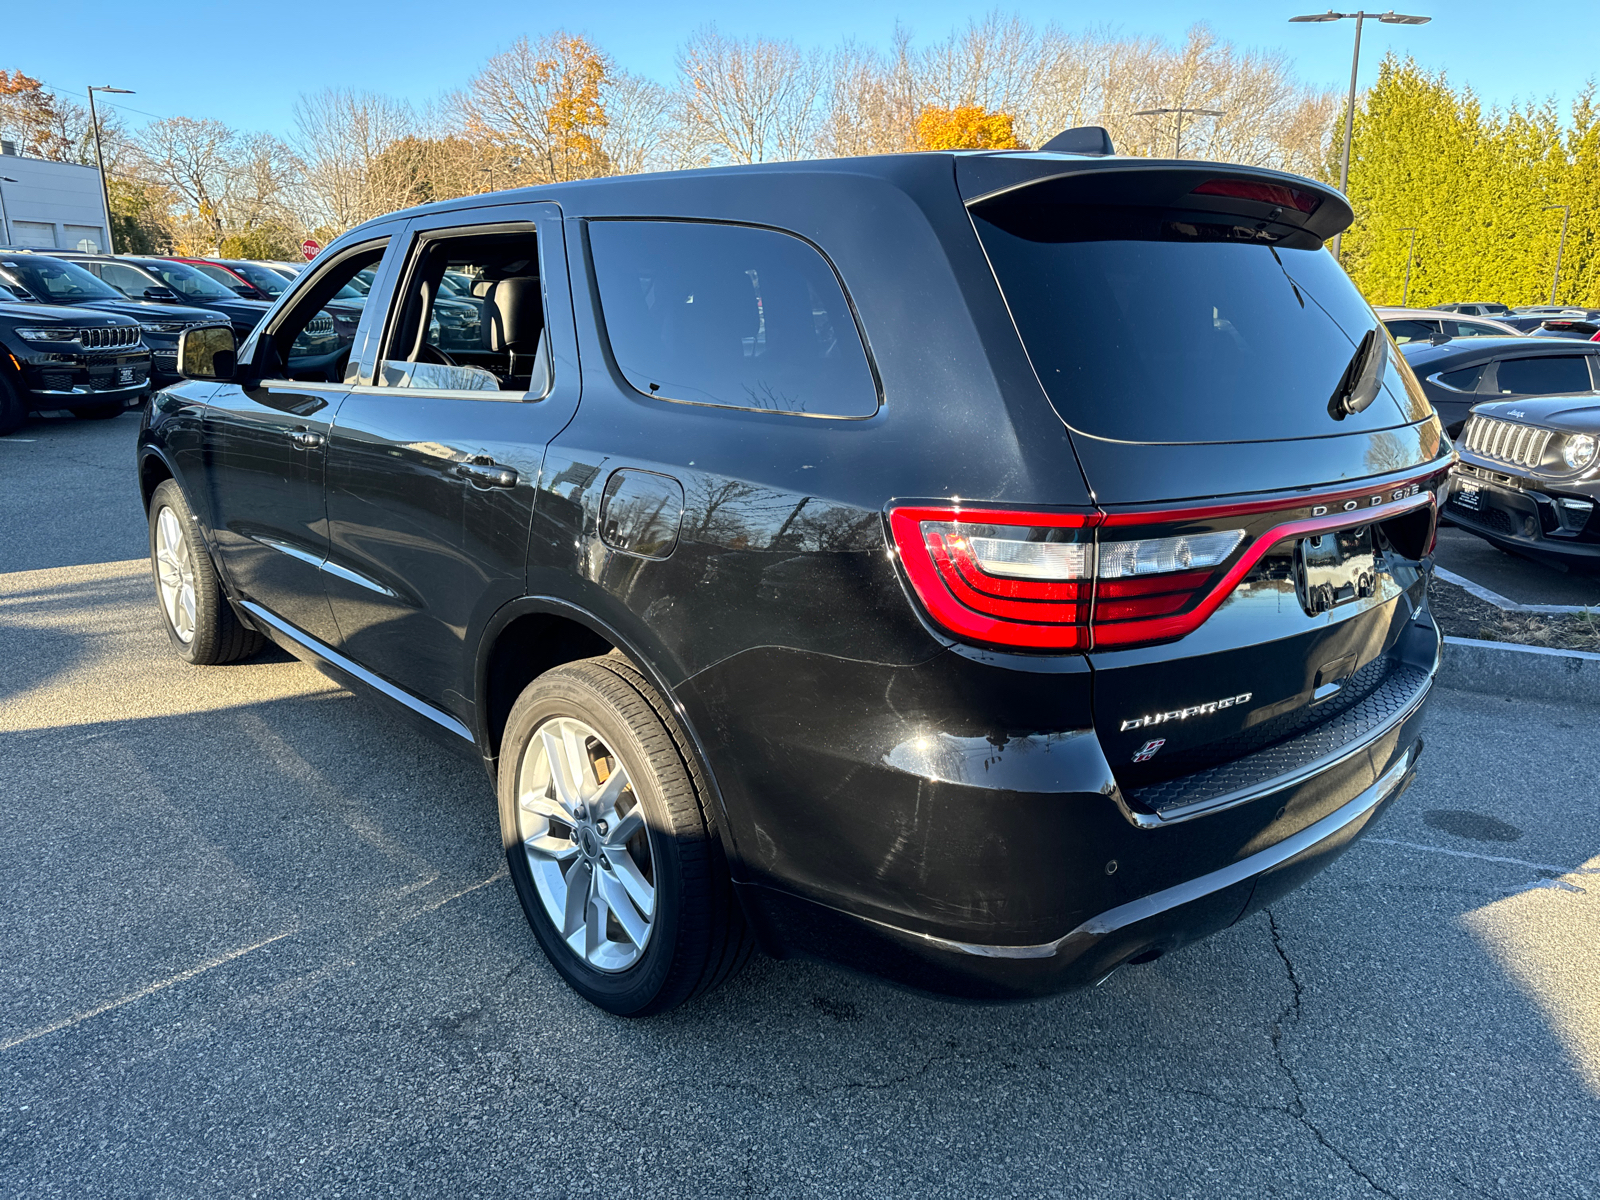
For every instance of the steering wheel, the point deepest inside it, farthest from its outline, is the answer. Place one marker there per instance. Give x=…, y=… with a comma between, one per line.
x=431, y=353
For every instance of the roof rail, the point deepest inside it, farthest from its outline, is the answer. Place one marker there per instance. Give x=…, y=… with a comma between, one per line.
x=1082, y=139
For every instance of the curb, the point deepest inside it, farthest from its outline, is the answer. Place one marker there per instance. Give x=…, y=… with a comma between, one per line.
x=1499, y=601
x=1527, y=672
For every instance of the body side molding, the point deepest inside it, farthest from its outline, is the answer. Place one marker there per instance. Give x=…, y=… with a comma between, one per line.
x=332, y=658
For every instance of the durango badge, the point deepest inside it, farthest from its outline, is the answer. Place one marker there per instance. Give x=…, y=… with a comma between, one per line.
x=1183, y=714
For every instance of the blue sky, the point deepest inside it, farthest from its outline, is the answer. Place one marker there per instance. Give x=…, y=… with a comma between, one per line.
x=245, y=63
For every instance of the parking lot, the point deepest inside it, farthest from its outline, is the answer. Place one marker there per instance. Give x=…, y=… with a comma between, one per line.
x=258, y=941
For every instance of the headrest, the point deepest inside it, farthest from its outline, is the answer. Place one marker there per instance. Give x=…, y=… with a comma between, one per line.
x=518, y=312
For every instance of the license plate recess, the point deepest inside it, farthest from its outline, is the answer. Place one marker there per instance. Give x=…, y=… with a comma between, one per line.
x=1335, y=568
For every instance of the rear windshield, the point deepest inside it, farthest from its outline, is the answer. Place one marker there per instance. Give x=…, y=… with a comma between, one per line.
x=1155, y=325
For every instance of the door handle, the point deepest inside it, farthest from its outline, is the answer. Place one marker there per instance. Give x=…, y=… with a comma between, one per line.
x=487, y=474
x=306, y=439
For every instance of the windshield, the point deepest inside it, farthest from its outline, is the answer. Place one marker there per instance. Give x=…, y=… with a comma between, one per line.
x=53, y=279
x=266, y=281
x=1150, y=325
x=187, y=281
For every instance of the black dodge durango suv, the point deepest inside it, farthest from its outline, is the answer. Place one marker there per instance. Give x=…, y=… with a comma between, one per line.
x=824, y=555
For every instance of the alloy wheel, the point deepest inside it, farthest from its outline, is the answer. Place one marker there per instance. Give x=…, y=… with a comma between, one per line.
x=588, y=847
x=175, y=573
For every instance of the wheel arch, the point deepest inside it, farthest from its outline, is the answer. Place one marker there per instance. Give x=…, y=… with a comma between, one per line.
x=154, y=469
x=535, y=634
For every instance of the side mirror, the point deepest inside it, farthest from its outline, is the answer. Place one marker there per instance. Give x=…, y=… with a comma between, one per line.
x=160, y=293
x=208, y=352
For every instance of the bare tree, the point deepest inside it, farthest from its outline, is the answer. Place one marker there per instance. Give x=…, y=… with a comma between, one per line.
x=638, y=134
x=872, y=100
x=194, y=160
x=748, y=100
x=540, y=108
x=342, y=139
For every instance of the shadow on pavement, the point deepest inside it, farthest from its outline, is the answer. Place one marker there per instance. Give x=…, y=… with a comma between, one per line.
x=370, y=1011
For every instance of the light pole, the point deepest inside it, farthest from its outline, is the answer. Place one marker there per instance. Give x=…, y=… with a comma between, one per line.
x=1566, y=211
x=1406, y=294
x=1388, y=18
x=99, y=160
x=5, y=220
x=1177, y=141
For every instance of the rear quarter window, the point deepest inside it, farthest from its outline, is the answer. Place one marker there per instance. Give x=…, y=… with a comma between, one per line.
x=729, y=316
x=1463, y=380
x=1550, y=374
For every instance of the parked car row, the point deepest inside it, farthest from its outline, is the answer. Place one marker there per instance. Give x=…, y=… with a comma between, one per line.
x=55, y=307
x=1525, y=416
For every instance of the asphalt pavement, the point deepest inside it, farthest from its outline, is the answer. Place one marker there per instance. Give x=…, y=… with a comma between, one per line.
x=1512, y=576
x=258, y=940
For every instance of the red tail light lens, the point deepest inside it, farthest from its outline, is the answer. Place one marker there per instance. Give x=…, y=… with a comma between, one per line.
x=1010, y=579
x=1066, y=581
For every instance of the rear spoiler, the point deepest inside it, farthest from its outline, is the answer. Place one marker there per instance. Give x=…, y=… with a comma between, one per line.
x=1251, y=192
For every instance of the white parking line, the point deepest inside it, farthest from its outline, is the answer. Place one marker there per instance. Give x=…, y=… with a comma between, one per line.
x=1516, y=862
x=86, y=1014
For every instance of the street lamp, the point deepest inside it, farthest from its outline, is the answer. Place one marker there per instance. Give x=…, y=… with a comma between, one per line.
x=1406, y=294
x=1388, y=18
x=1177, y=141
x=5, y=220
x=99, y=160
x=1566, y=211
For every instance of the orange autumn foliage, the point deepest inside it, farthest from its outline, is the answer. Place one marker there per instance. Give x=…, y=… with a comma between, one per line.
x=966, y=127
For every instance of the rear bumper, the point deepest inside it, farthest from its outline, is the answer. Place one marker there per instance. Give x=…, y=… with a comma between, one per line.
x=1018, y=868
x=1138, y=930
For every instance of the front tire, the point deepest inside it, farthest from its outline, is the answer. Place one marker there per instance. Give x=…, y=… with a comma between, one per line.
x=199, y=619
x=610, y=842
x=13, y=412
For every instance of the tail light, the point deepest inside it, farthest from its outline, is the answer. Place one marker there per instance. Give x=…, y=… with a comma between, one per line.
x=1007, y=578
x=1076, y=581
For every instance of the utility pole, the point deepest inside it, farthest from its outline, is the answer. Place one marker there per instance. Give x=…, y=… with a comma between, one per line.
x=100, y=162
x=1388, y=18
x=1566, y=211
x=1410, y=250
x=1177, y=141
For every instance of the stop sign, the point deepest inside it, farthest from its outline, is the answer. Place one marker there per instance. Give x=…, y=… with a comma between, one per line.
x=309, y=248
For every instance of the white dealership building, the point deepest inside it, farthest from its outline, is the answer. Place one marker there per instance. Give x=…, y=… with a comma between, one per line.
x=50, y=205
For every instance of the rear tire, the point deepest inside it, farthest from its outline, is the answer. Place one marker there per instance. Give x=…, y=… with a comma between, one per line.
x=198, y=618
x=13, y=412
x=611, y=842
x=98, y=412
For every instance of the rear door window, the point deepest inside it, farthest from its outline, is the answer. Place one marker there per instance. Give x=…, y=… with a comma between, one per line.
x=731, y=316
x=1157, y=325
x=1550, y=374
x=484, y=334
